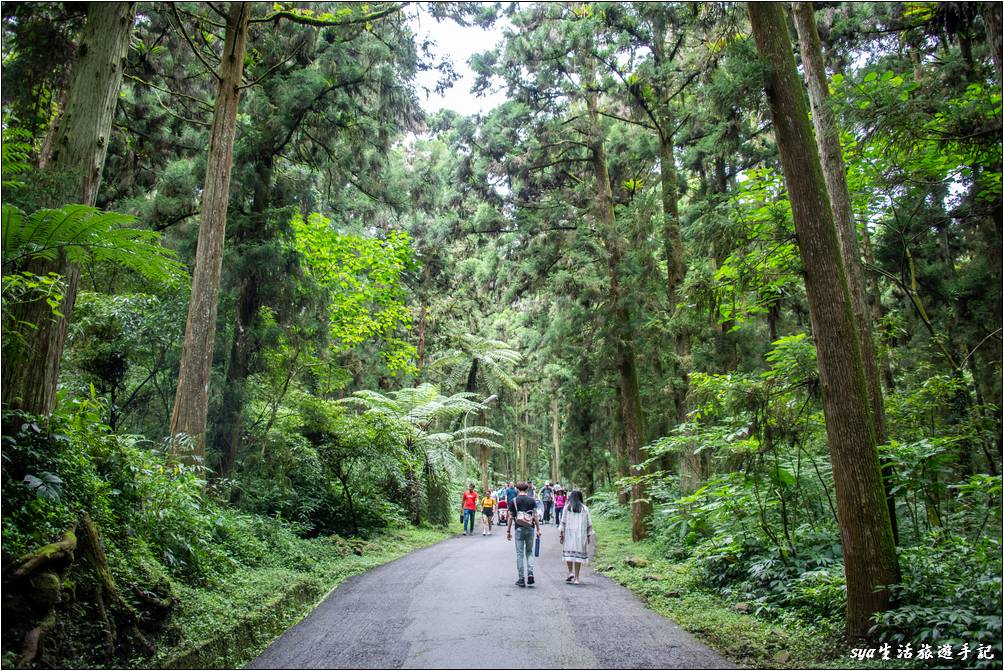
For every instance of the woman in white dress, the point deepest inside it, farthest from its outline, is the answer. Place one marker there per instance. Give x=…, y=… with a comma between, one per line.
x=575, y=529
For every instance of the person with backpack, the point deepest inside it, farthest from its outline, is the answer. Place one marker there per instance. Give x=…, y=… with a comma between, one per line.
x=575, y=530
x=547, y=498
x=523, y=515
x=469, y=501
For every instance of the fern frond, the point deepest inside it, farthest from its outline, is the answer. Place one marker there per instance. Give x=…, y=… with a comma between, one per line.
x=483, y=442
x=479, y=430
x=86, y=235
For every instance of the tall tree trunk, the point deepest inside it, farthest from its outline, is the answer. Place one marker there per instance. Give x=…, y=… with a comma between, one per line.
x=472, y=378
x=828, y=143
x=669, y=191
x=672, y=243
x=231, y=430
x=885, y=366
x=991, y=13
x=522, y=444
x=423, y=317
x=626, y=367
x=870, y=562
x=620, y=449
x=483, y=463
x=555, y=441
x=191, y=401
x=79, y=150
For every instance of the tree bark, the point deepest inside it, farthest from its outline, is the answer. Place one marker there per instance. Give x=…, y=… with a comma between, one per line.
x=423, y=318
x=991, y=13
x=689, y=464
x=828, y=143
x=620, y=449
x=626, y=366
x=521, y=444
x=191, y=402
x=231, y=431
x=79, y=150
x=870, y=562
x=555, y=441
x=669, y=191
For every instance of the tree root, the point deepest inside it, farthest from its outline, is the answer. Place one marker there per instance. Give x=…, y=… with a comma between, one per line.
x=37, y=578
x=93, y=554
x=29, y=649
x=59, y=553
x=39, y=575
x=158, y=605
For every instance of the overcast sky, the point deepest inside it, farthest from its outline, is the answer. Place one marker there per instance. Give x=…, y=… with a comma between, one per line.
x=459, y=43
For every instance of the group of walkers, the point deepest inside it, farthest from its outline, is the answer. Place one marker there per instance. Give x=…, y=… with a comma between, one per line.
x=516, y=506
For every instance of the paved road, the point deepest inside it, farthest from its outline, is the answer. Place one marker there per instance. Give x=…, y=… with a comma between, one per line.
x=454, y=605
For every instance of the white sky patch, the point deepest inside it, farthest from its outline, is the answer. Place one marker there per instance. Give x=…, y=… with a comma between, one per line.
x=459, y=43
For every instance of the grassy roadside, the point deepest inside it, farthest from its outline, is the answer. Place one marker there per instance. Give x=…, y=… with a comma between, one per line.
x=669, y=588
x=228, y=624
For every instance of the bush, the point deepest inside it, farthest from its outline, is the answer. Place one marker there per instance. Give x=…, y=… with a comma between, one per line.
x=148, y=510
x=326, y=470
x=158, y=529
x=950, y=593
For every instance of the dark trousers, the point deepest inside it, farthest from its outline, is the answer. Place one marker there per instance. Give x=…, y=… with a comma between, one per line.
x=557, y=516
x=547, y=510
x=469, y=517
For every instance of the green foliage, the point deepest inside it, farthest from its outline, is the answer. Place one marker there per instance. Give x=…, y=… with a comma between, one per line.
x=15, y=150
x=513, y=296
x=673, y=588
x=85, y=235
x=765, y=267
x=363, y=278
x=123, y=346
x=965, y=574
x=22, y=288
x=57, y=470
x=493, y=361
x=323, y=469
x=763, y=530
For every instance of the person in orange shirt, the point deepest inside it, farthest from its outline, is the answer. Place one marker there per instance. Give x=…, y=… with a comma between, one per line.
x=470, y=506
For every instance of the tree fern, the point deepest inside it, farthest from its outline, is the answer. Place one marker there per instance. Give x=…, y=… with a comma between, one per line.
x=85, y=235
x=496, y=361
x=419, y=409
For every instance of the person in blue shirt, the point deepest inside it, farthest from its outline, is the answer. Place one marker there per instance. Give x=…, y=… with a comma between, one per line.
x=510, y=492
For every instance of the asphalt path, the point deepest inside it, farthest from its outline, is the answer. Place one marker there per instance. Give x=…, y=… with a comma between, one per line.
x=455, y=605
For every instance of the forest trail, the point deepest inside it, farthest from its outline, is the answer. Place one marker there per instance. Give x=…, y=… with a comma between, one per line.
x=455, y=605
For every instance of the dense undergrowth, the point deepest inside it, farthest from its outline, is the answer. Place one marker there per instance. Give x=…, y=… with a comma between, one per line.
x=755, y=520
x=764, y=609
x=188, y=570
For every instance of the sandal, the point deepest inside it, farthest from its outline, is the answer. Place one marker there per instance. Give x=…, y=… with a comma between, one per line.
x=570, y=578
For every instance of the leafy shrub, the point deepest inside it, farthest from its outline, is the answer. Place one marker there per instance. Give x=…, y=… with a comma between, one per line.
x=950, y=593
x=605, y=503
x=326, y=470
x=148, y=510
